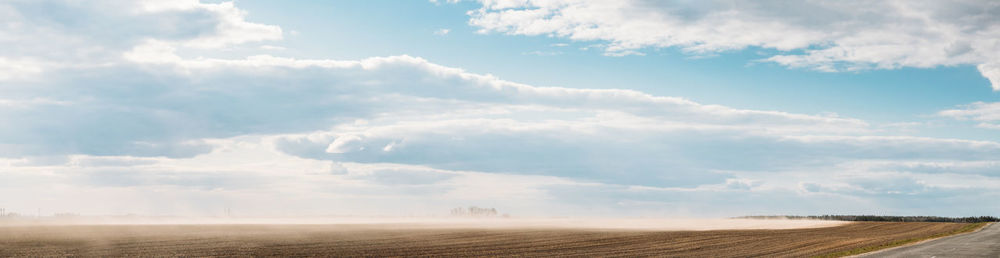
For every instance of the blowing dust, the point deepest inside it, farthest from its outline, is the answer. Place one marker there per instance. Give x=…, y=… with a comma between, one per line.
x=654, y=224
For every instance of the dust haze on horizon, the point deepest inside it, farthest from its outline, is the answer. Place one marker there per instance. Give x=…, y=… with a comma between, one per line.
x=577, y=110
x=443, y=222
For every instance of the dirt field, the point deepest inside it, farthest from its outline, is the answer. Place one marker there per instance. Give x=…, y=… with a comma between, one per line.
x=399, y=240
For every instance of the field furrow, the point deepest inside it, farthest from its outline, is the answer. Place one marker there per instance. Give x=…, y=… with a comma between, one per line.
x=381, y=240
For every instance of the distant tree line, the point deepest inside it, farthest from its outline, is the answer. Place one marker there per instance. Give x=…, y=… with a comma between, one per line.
x=474, y=212
x=885, y=218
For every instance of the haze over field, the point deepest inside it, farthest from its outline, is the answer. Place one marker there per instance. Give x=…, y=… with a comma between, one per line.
x=578, y=109
x=386, y=223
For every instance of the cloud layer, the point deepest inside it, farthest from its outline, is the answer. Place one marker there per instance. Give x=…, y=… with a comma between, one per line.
x=821, y=35
x=146, y=119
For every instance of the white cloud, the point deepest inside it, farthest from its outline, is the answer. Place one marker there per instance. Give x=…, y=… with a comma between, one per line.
x=441, y=32
x=992, y=72
x=270, y=47
x=247, y=175
x=988, y=114
x=229, y=22
x=821, y=35
x=19, y=69
x=345, y=143
x=39, y=36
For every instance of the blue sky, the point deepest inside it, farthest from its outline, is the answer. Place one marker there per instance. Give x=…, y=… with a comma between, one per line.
x=381, y=28
x=896, y=95
x=605, y=108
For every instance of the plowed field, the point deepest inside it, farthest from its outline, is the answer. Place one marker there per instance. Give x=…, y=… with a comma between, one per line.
x=395, y=240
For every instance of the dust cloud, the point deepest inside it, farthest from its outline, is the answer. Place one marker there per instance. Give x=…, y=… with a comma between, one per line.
x=654, y=224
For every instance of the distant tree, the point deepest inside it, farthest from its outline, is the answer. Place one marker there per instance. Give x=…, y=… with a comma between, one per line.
x=474, y=211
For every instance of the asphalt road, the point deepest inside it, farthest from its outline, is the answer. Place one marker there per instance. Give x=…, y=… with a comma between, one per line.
x=984, y=243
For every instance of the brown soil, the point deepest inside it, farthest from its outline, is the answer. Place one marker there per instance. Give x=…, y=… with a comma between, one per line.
x=386, y=240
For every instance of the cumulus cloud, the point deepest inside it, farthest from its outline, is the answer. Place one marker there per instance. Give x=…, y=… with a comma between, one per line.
x=40, y=36
x=820, y=35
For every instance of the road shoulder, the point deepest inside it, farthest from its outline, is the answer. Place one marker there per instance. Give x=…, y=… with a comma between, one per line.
x=939, y=238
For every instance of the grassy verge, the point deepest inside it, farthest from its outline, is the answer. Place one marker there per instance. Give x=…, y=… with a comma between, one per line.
x=965, y=229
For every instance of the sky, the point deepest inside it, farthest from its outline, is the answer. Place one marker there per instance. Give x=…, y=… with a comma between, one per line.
x=535, y=108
